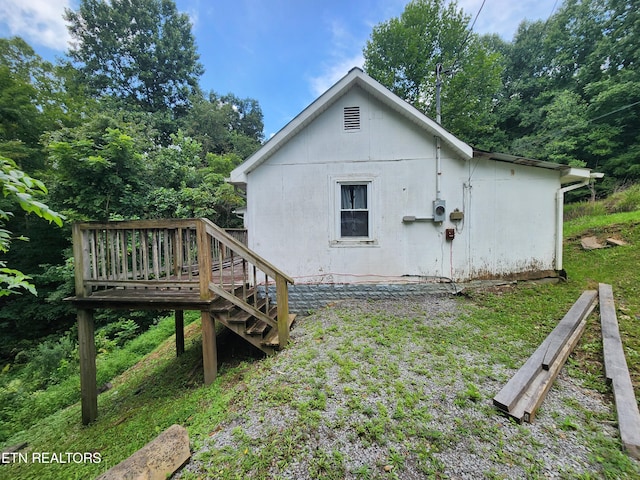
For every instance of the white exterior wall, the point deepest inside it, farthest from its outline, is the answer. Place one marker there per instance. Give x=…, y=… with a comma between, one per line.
x=510, y=218
x=293, y=205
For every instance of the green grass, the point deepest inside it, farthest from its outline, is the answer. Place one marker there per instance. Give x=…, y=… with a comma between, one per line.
x=503, y=326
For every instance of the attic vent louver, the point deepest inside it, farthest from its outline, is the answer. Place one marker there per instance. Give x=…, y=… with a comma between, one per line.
x=351, y=118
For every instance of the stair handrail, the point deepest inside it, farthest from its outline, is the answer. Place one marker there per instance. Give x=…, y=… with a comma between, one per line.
x=207, y=287
x=221, y=235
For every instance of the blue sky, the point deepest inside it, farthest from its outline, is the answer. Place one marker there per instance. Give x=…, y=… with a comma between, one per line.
x=283, y=53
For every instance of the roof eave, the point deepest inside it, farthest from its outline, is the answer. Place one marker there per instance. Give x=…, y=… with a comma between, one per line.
x=567, y=174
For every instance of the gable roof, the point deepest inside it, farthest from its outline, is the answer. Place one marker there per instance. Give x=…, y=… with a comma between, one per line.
x=355, y=77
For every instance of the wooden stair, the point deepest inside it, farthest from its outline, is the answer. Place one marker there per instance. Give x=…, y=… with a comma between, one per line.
x=253, y=330
x=175, y=264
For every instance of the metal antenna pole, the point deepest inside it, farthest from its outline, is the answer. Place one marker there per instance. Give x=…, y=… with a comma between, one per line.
x=438, y=87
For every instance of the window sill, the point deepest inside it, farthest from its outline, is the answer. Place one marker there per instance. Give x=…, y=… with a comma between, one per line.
x=355, y=242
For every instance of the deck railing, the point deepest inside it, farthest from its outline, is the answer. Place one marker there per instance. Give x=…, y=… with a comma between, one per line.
x=192, y=255
x=242, y=267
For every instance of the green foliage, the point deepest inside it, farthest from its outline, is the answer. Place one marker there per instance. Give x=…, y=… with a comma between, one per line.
x=403, y=52
x=45, y=377
x=571, y=87
x=185, y=186
x=17, y=185
x=150, y=62
x=624, y=200
x=225, y=124
x=98, y=169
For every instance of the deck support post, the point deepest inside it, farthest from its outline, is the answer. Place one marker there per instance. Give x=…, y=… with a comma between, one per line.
x=209, y=348
x=179, y=317
x=87, y=350
x=282, y=301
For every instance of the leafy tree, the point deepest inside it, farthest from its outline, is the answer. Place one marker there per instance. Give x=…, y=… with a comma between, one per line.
x=98, y=170
x=141, y=51
x=35, y=97
x=402, y=54
x=226, y=124
x=18, y=186
x=184, y=186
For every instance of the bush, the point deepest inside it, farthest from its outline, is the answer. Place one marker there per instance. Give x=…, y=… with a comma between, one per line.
x=626, y=199
x=51, y=361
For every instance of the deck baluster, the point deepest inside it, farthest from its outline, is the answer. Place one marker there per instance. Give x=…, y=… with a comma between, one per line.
x=134, y=254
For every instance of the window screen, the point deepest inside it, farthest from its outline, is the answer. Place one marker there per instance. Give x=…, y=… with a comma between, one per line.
x=354, y=211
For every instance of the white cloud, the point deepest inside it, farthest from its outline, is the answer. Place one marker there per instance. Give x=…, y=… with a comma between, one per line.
x=504, y=16
x=39, y=22
x=334, y=72
x=345, y=52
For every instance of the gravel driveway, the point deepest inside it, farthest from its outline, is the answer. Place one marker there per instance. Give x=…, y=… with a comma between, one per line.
x=399, y=389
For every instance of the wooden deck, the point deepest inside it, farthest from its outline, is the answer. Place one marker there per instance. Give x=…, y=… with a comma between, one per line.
x=176, y=265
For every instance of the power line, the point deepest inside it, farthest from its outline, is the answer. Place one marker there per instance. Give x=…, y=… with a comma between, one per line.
x=439, y=66
x=469, y=32
x=615, y=111
x=477, y=14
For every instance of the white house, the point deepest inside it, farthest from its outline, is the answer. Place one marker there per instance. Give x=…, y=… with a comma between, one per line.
x=363, y=187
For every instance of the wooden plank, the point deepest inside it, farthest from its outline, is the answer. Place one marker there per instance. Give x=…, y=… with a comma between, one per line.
x=518, y=384
x=102, y=254
x=81, y=260
x=271, y=340
x=614, y=360
x=134, y=254
x=124, y=257
x=155, y=249
x=87, y=352
x=189, y=258
x=517, y=411
x=178, y=250
x=510, y=394
x=618, y=372
x=532, y=397
x=538, y=395
x=143, y=283
x=244, y=306
x=144, y=250
x=257, y=329
x=166, y=255
x=93, y=255
x=141, y=224
x=204, y=260
x=565, y=328
x=265, y=266
x=111, y=243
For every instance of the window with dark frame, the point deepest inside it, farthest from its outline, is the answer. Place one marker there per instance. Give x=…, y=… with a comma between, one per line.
x=354, y=210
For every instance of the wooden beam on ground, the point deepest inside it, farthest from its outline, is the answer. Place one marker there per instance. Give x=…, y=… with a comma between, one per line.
x=87, y=351
x=548, y=376
x=565, y=328
x=158, y=459
x=179, y=317
x=508, y=396
x=617, y=371
x=524, y=392
x=527, y=405
x=209, y=348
